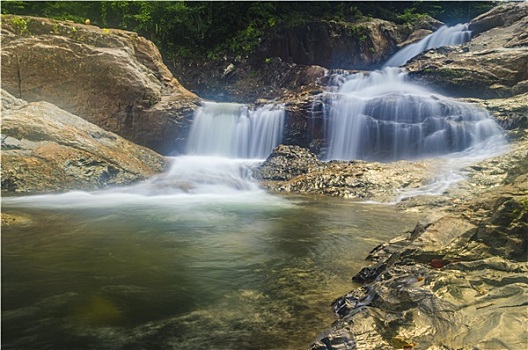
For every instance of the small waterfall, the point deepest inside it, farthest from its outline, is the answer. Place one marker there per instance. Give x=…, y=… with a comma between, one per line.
x=382, y=117
x=234, y=131
x=444, y=36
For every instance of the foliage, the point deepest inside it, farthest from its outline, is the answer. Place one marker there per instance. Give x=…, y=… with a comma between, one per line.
x=217, y=28
x=20, y=25
x=409, y=15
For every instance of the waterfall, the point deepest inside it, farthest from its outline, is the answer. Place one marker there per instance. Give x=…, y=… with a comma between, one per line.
x=233, y=130
x=381, y=116
x=444, y=36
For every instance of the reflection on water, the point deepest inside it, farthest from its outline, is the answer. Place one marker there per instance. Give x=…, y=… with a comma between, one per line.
x=254, y=273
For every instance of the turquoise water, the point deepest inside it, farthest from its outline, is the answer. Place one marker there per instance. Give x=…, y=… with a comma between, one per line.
x=250, y=271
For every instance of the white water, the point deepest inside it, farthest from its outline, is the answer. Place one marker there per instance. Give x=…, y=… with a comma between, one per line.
x=201, y=255
x=234, y=131
x=226, y=140
x=444, y=36
x=191, y=181
x=377, y=117
x=383, y=117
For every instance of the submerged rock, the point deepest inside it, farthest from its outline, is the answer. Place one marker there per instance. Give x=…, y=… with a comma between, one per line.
x=46, y=149
x=112, y=78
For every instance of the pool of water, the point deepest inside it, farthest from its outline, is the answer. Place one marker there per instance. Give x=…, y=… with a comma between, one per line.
x=251, y=271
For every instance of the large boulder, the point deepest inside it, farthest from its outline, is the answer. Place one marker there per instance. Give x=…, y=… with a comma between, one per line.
x=46, y=149
x=334, y=44
x=112, y=78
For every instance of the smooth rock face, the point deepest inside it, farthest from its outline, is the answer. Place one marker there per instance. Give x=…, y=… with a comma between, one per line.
x=46, y=149
x=112, y=78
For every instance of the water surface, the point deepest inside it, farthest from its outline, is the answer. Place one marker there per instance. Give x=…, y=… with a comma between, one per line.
x=245, y=271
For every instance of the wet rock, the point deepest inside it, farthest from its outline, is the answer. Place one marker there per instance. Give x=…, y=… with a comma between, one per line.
x=46, y=149
x=492, y=65
x=361, y=45
x=112, y=78
x=458, y=279
x=297, y=170
x=285, y=163
x=511, y=113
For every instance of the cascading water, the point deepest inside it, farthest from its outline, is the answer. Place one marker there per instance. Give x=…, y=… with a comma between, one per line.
x=152, y=262
x=382, y=117
x=232, y=130
x=444, y=36
x=224, y=141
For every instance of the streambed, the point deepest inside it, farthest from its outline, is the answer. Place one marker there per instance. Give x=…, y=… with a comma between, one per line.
x=244, y=271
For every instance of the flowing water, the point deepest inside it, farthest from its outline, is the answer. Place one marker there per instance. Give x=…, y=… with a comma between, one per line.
x=382, y=117
x=233, y=130
x=196, y=258
x=444, y=36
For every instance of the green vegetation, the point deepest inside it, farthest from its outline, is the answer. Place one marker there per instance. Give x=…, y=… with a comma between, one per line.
x=20, y=25
x=214, y=29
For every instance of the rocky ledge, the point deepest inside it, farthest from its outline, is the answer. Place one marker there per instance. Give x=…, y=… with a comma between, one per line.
x=457, y=281
x=294, y=169
x=46, y=149
x=112, y=78
x=492, y=65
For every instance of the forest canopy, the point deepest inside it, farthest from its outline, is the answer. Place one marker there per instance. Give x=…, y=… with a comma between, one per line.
x=215, y=28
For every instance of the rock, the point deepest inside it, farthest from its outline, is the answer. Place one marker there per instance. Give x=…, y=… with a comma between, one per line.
x=285, y=163
x=494, y=64
x=416, y=36
x=46, y=149
x=297, y=170
x=112, y=78
x=511, y=113
x=500, y=16
x=458, y=279
x=330, y=44
x=293, y=59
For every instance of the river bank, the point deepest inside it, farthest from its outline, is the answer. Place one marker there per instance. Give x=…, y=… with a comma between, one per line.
x=457, y=281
